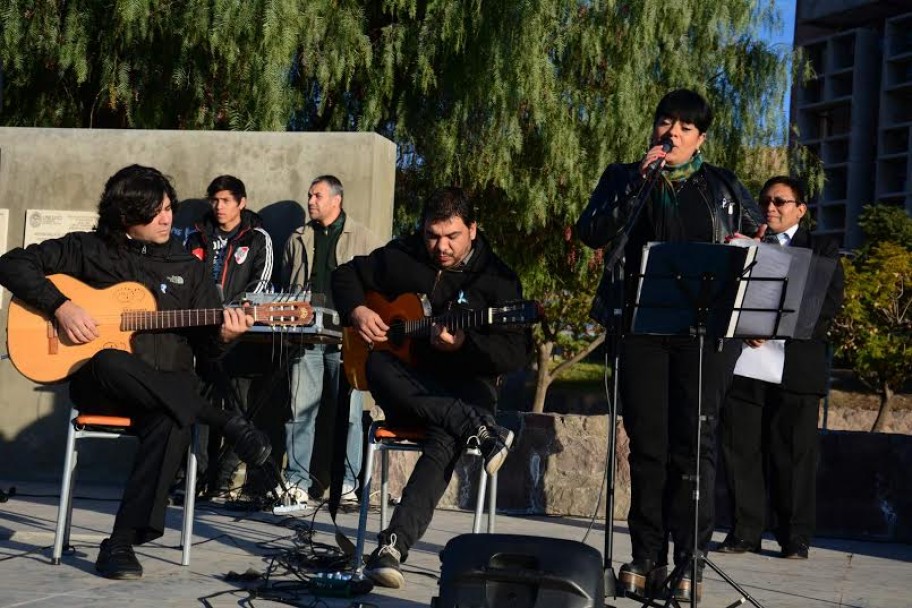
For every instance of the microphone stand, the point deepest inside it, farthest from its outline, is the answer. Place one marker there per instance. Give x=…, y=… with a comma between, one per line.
x=613, y=340
x=639, y=201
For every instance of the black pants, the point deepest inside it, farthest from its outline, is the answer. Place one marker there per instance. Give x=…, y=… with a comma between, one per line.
x=162, y=406
x=659, y=397
x=450, y=412
x=769, y=437
x=241, y=383
x=218, y=461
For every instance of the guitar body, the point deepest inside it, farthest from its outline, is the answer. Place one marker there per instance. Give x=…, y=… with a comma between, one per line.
x=42, y=355
x=406, y=307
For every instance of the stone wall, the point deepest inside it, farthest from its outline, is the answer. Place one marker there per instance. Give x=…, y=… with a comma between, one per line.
x=65, y=170
x=557, y=467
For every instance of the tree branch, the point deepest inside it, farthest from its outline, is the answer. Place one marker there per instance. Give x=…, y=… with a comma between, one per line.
x=578, y=357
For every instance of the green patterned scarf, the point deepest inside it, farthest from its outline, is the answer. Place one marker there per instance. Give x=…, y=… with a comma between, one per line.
x=678, y=173
x=665, y=209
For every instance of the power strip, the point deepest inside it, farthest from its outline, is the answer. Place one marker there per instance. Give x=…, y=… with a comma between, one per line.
x=293, y=509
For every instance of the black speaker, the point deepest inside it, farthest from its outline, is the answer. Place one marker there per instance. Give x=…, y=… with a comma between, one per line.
x=513, y=571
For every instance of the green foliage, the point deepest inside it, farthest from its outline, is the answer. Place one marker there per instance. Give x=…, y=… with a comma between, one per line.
x=874, y=328
x=584, y=375
x=521, y=103
x=882, y=223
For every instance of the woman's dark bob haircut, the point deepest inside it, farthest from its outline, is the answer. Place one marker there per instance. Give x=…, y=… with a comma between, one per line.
x=687, y=106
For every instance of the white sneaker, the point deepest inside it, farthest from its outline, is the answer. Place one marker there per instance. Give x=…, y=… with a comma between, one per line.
x=293, y=501
x=348, y=493
x=296, y=495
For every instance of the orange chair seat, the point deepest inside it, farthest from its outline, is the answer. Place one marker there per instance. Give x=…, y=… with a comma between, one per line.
x=400, y=434
x=84, y=420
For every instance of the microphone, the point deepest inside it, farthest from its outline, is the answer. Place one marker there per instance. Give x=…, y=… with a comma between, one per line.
x=658, y=163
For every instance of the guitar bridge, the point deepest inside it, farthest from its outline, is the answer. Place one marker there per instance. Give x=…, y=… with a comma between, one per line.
x=53, y=339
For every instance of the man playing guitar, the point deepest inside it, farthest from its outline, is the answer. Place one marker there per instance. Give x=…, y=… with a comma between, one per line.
x=450, y=389
x=155, y=385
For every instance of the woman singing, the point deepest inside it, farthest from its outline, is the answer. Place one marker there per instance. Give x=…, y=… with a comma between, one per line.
x=692, y=201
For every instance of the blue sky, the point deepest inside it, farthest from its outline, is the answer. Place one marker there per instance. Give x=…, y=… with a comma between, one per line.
x=785, y=34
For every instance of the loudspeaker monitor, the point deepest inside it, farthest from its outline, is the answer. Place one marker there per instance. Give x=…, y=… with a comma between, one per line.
x=514, y=571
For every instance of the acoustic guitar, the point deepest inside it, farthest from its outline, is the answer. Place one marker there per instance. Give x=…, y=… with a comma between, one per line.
x=408, y=317
x=43, y=355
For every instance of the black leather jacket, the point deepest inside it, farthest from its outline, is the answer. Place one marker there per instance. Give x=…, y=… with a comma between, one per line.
x=729, y=204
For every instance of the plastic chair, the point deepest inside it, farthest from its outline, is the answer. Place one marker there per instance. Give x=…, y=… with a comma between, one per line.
x=86, y=426
x=384, y=439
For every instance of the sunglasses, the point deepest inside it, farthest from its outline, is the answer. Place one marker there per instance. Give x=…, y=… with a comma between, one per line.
x=777, y=201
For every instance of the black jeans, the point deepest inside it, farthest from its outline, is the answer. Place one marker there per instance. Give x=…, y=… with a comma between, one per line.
x=769, y=436
x=451, y=411
x=659, y=397
x=162, y=406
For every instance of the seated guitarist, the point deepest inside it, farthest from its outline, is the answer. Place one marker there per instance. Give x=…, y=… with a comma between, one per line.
x=156, y=386
x=450, y=390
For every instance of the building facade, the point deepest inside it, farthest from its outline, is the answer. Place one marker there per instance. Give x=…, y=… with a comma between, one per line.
x=855, y=114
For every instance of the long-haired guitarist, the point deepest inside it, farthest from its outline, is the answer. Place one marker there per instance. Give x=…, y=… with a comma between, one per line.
x=155, y=385
x=449, y=387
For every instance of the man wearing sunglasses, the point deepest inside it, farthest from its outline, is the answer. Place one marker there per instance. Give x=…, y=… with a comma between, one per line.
x=775, y=425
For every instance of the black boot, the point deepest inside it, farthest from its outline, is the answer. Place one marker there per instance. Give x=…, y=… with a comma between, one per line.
x=250, y=443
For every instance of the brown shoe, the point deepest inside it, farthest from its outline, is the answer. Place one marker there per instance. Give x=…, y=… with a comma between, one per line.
x=641, y=577
x=683, y=591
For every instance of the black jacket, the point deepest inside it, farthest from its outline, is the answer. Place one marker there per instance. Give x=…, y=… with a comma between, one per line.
x=177, y=279
x=730, y=208
x=248, y=255
x=806, y=366
x=404, y=266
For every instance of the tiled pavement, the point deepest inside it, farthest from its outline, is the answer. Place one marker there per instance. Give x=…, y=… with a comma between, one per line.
x=840, y=573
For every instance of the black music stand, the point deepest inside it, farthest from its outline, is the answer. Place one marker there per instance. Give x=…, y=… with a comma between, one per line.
x=696, y=289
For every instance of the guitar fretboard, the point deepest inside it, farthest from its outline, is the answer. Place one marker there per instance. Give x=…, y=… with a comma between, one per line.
x=452, y=321
x=170, y=319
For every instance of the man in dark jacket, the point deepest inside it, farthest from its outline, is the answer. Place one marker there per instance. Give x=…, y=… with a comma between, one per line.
x=769, y=429
x=451, y=390
x=237, y=252
x=155, y=385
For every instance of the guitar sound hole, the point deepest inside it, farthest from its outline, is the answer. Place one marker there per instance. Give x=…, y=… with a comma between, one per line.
x=396, y=334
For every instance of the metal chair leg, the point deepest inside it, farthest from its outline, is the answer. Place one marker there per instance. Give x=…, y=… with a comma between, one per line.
x=365, y=503
x=189, y=499
x=65, y=507
x=480, y=502
x=384, y=488
x=492, y=503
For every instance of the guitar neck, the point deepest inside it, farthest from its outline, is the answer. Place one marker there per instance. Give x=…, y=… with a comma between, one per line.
x=418, y=328
x=174, y=319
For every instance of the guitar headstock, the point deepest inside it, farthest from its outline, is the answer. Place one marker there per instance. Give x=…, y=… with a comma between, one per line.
x=520, y=312
x=295, y=313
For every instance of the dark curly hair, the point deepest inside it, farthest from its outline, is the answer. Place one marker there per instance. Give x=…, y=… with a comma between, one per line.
x=132, y=197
